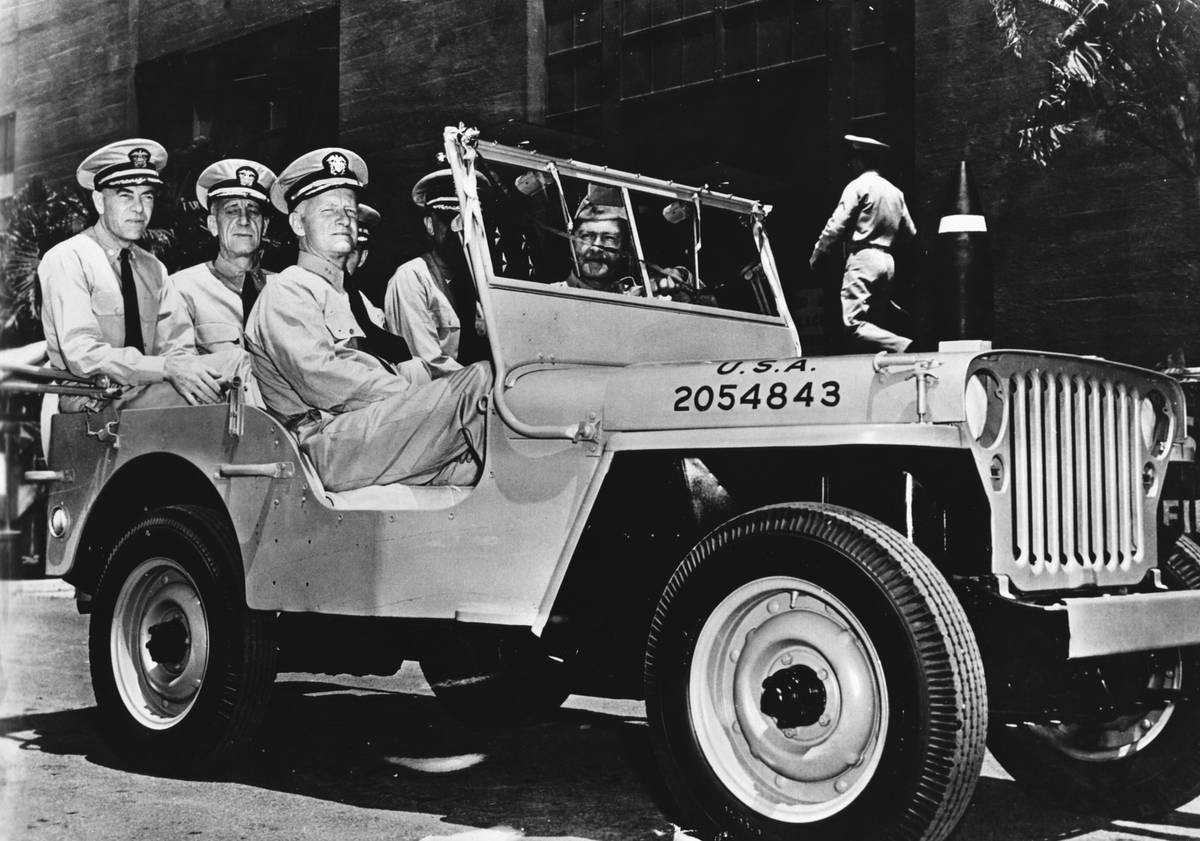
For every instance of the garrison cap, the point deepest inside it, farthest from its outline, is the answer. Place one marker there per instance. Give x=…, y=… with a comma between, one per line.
x=601, y=202
x=235, y=178
x=317, y=172
x=126, y=163
x=867, y=143
x=367, y=217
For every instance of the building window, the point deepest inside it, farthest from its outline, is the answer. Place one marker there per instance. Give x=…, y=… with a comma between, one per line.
x=269, y=95
x=8, y=154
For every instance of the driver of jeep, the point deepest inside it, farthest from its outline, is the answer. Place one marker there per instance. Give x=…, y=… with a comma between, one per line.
x=600, y=255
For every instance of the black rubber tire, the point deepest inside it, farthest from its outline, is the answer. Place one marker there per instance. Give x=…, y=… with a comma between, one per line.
x=1151, y=781
x=235, y=679
x=928, y=761
x=496, y=675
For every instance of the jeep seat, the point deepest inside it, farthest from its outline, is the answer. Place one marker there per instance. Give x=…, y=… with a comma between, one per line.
x=393, y=497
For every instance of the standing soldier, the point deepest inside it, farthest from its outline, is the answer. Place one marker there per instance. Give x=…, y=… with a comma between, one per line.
x=430, y=300
x=873, y=210
x=203, y=307
x=360, y=420
x=100, y=291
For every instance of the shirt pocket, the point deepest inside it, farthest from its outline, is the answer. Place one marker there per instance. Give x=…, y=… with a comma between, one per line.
x=444, y=314
x=210, y=334
x=340, y=323
x=109, y=310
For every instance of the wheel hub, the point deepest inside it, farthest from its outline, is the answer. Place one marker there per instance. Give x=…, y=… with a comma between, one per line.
x=794, y=697
x=788, y=699
x=159, y=643
x=169, y=641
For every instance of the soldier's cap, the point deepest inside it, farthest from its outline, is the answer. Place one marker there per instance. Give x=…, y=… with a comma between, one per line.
x=317, y=172
x=601, y=202
x=367, y=217
x=126, y=163
x=868, y=143
x=435, y=191
x=235, y=178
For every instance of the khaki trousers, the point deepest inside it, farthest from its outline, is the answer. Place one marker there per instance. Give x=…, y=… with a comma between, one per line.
x=430, y=434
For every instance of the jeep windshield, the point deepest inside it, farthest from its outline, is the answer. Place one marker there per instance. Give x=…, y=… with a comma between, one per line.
x=579, y=229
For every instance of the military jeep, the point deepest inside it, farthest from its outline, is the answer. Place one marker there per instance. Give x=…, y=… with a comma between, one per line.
x=832, y=579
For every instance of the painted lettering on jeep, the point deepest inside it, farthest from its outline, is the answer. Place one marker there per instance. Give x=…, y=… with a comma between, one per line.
x=762, y=366
x=775, y=396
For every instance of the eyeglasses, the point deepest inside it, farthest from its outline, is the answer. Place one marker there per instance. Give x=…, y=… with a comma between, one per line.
x=609, y=241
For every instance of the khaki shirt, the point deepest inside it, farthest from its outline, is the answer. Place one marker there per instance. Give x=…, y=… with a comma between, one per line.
x=200, y=310
x=83, y=313
x=876, y=210
x=418, y=307
x=303, y=344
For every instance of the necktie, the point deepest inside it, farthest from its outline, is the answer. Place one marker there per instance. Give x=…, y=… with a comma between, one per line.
x=379, y=342
x=133, y=320
x=252, y=284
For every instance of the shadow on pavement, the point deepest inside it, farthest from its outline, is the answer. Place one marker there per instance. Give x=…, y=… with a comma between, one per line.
x=580, y=774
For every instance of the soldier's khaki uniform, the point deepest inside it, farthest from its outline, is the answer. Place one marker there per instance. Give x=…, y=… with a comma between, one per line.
x=360, y=421
x=200, y=311
x=83, y=317
x=873, y=210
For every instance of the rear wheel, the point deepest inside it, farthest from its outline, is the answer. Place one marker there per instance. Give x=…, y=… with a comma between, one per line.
x=1143, y=762
x=810, y=672
x=181, y=668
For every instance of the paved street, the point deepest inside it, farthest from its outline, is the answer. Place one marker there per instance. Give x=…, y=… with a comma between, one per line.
x=371, y=759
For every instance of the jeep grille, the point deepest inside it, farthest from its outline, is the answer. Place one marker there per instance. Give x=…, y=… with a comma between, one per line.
x=1076, y=460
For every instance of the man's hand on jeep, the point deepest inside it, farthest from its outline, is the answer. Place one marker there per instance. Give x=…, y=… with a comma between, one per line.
x=195, y=380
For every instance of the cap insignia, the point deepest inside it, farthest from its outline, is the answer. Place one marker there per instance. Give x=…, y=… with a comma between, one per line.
x=336, y=163
x=140, y=158
x=246, y=176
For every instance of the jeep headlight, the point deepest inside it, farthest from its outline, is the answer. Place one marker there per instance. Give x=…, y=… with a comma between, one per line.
x=1154, y=419
x=984, y=403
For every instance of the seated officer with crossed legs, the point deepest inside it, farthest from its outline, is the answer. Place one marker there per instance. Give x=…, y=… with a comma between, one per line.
x=203, y=307
x=360, y=420
x=100, y=291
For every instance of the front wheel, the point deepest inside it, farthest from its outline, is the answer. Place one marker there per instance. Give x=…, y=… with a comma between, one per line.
x=1138, y=763
x=809, y=673
x=181, y=668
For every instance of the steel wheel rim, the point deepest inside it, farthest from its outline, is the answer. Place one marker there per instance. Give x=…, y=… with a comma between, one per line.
x=159, y=643
x=1121, y=736
x=786, y=628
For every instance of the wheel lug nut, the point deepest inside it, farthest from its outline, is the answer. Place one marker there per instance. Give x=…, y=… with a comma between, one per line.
x=780, y=780
x=823, y=674
x=789, y=733
x=824, y=721
x=735, y=654
x=773, y=606
x=853, y=759
x=840, y=786
x=786, y=659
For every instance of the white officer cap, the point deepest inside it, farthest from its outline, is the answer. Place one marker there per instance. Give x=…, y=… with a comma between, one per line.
x=317, y=172
x=435, y=191
x=859, y=142
x=235, y=178
x=126, y=163
x=367, y=218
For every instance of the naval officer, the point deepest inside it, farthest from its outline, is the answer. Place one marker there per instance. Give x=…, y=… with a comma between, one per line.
x=100, y=290
x=361, y=420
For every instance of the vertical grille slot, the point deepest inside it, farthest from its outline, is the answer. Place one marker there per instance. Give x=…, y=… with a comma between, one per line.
x=1076, y=491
